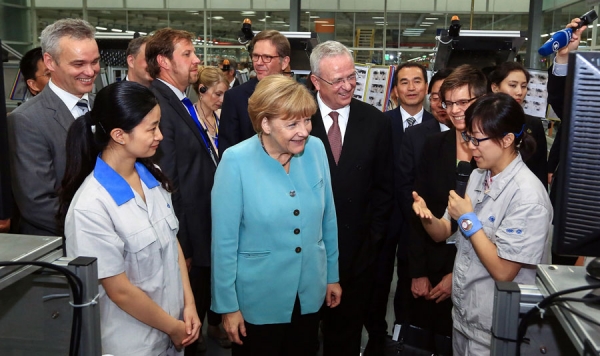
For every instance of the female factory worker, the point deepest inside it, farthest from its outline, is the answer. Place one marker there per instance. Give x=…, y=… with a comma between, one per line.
x=503, y=219
x=512, y=78
x=274, y=252
x=120, y=211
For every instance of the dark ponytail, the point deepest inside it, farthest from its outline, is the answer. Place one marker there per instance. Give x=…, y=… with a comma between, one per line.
x=120, y=105
x=497, y=115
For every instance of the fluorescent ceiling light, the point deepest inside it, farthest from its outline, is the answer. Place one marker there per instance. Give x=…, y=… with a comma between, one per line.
x=424, y=25
x=427, y=23
x=116, y=30
x=101, y=28
x=130, y=31
x=315, y=17
x=431, y=18
x=284, y=21
x=328, y=25
x=544, y=35
x=217, y=17
x=143, y=33
x=377, y=17
x=415, y=29
x=319, y=21
x=248, y=13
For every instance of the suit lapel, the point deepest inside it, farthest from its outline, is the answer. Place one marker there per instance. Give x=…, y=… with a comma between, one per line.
x=352, y=137
x=181, y=111
x=62, y=114
x=318, y=130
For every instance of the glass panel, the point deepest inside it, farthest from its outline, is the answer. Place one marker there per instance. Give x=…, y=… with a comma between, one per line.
x=46, y=17
x=108, y=20
x=14, y=24
x=192, y=21
x=147, y=21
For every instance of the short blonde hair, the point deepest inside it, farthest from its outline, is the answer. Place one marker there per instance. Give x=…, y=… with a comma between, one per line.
x=209, y=76
x=277, y=96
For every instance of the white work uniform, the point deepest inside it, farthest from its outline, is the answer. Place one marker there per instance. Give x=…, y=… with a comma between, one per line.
x=516, y=214
x=108, y=220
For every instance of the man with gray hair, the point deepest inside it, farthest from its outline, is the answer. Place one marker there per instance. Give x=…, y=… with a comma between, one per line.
x=136, y=62
x=37, y=130
x=357, y=138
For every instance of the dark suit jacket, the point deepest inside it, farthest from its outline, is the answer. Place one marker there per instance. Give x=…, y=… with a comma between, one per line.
x=236, y=83
x=435, y=177
x=538, y=162
x=235, y=124
x=183, y=157
x=362, y=185
x=397, y=228
x=37, y=134
x=556, y=98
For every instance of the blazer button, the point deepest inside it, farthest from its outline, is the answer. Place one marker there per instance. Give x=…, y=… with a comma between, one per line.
x=349, y=200
x=296, y=231
x=292, y=193
x=296, y=212
x=298, y=249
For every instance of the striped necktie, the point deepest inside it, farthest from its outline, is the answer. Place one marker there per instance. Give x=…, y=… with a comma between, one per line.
x=411, y=121
x=82, y=104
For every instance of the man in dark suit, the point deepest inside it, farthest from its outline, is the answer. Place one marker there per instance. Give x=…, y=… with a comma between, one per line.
x=410, y=87
x=270, y=55
x=136, y=61
x=229, y=68
x=37, y=130
x=358, y=144
x=184, y=155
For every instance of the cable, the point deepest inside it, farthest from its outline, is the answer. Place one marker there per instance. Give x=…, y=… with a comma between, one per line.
x=76, y=287
x=546, y=302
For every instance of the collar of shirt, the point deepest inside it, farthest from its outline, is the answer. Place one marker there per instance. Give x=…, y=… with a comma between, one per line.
x=69, y=99
x=116, y=185
x=344, y=114
x=443, y=127
x=418, y=116
x=501, y=179
x=231, y=83
x=179, y=93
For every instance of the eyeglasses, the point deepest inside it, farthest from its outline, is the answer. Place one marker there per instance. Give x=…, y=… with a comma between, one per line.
x=460, y=103
x=434, y=98
x=351, y=79
x=265, y=58
x=475, y=141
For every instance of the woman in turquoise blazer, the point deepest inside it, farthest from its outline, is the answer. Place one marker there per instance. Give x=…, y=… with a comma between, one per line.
x=274, y=250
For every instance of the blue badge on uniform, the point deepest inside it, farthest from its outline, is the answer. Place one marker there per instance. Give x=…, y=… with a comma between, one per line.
x=519, y=231
x=492, y=218
x=510, y=231
x=168, y=206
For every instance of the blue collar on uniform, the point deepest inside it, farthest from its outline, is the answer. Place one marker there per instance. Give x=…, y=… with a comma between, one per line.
x=116, y=186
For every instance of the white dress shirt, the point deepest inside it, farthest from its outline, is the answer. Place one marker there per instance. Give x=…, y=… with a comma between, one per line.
x=343, y=116
x=69, y=99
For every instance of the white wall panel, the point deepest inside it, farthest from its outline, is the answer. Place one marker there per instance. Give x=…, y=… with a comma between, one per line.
x=361, y=5
x=59, y=3
x=411, y=5
x=453, y=6
x=229, y=4
x=146, y=4
x=319, y=5
x=92, y=4
x=185, y=4
x=510, y=6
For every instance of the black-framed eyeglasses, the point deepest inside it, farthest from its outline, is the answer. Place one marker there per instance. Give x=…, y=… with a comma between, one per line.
x=339, y=82
x=460, y=103
x=265, y=58
x=474, y=140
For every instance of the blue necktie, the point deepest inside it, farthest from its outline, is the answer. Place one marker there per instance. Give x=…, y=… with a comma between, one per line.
x=190, y=107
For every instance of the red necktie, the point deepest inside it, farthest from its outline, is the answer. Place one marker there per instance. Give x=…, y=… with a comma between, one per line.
x=335, y=137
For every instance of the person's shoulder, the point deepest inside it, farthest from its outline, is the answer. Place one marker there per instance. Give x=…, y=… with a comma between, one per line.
x=242, y=150
x=90, y=195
